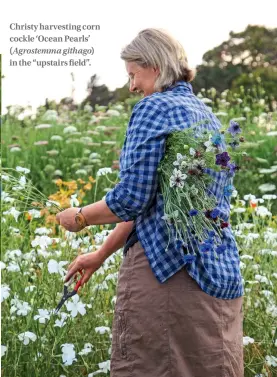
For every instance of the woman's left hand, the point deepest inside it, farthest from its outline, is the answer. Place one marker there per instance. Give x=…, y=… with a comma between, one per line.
x=66, y=219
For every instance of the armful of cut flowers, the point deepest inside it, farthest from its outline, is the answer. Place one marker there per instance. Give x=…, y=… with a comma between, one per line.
x=195, y=173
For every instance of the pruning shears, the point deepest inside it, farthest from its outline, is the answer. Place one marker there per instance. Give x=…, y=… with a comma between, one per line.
x=66, y=293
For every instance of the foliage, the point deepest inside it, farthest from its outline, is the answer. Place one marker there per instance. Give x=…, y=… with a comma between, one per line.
x=250, y=51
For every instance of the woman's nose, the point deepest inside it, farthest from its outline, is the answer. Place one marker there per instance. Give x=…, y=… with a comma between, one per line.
x=132, y=87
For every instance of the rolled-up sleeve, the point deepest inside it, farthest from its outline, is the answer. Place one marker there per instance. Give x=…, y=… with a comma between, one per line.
x=142, y=152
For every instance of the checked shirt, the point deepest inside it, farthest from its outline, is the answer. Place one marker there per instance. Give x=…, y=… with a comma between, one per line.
x=137, y=197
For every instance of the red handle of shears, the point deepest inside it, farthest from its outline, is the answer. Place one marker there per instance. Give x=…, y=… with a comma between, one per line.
x=77, y=286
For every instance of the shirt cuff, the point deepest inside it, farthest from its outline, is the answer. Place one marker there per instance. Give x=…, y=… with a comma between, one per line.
x=116, y=207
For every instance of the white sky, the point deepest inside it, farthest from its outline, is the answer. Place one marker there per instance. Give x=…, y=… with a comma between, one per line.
x=198, y=24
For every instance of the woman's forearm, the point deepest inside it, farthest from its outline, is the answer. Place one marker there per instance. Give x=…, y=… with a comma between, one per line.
x=99, y=213
x=116, y=239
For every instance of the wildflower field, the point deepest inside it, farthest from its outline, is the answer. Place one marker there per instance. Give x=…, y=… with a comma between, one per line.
x=71, y=157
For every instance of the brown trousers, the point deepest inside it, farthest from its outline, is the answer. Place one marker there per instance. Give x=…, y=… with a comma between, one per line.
x=172, y=329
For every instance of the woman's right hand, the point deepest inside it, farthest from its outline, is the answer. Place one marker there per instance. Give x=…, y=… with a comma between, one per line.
x=88, y=263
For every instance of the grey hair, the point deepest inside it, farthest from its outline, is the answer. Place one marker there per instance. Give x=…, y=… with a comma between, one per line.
x=158, y=49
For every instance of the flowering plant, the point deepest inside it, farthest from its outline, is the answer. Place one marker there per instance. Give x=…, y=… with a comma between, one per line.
x=193, y=158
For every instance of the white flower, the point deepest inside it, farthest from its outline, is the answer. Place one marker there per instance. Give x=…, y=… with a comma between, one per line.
x=263, y=211
x=94, y=155
x=105, y=366
x=61, y=322
x=50, y=115
x=15, y=149
x=3, y=350
x=13, y=212
x=209, y=145
x=2, y=265
x=271, y=361
x=20, y=307
x=43, y=126
x=5, y=292
x=42, y=316
x=25, y=337
x=34, y=213
x=55, y=267
x=177, y=179
x=267, y=187
x=87, y=349
x=30, y=288
x=239, y=210
x=42, y=241
x=113, y=113
x=74, y=201
x=13, y=267
x=76, y=306
x=56, y=138
x=43, y=231
x=81, y=172
x=261, y=279
x=102, y=330
x=69, y=130
x=269, y=196
x=247, y=340
x=88, y=108
x=206, y=100
x=249, y=197
x=50, y=203
x=246, y=257
x=69, y=355
x=22, y=170
x=103, y=171
x=192, y=152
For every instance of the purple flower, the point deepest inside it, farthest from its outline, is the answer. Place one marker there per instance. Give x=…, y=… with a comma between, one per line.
x=222, y=159
x=220, y=249
x=193, y=212
x=234, y=128
x=189, y=258
x=228, y=190
x=214, y=214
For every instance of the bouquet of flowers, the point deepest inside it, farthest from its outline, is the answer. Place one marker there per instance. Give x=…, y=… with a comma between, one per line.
x=193, y=158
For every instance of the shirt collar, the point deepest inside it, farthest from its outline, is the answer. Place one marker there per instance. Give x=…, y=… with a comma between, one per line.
x=180, y=85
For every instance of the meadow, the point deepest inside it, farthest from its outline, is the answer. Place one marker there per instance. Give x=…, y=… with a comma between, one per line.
x=72, y=157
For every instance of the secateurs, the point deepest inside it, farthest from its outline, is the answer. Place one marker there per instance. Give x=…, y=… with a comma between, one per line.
x=66, y=293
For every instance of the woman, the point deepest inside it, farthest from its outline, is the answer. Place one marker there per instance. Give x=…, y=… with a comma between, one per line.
x=172, y=318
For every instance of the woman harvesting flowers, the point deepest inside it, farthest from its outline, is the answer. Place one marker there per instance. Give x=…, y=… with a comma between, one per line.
x=179, y=297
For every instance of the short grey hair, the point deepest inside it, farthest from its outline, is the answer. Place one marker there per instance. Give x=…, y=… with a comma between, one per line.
x=157, y=48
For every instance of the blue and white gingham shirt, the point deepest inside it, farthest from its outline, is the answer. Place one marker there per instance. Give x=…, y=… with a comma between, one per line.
x=136, y=196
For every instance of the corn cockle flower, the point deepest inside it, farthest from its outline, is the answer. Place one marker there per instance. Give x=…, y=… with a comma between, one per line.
x=25, y=337
x=55, y=267
x=42, y=316
x=5, y=292
x=76, y=306
x=22, y=170
x=13, y=212
x=247, y=340
x=87, y=349
x=69, y=354
x=3, y=350
x=102, y=330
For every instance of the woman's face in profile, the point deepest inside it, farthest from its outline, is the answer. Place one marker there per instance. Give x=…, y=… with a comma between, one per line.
x=142, y=80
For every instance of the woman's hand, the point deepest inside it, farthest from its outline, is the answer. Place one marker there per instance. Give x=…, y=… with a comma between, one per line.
x=66, y=219
x=89, y=263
